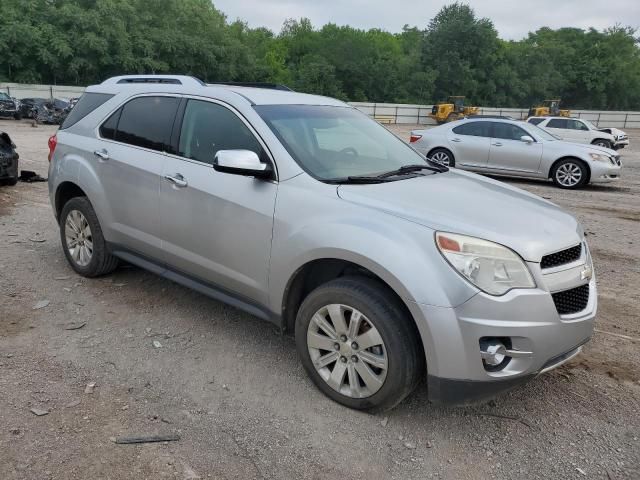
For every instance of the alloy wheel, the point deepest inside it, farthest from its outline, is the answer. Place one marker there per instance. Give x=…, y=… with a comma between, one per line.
x=78, y=238
x=441, y=157
x=347, y=351
x=569, y=174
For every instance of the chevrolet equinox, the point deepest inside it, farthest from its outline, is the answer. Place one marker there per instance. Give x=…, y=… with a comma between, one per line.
x=299, y=209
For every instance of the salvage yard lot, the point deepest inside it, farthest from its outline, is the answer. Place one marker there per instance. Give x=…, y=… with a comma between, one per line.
x=167, y=360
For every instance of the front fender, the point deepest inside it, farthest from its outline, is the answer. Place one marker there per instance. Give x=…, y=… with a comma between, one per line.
x=314, y=223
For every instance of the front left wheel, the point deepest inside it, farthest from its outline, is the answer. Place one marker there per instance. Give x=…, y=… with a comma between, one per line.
x=358, y=345
x=82, y=239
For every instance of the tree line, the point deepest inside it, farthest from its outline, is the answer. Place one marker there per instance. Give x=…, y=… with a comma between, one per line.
x=79, y=42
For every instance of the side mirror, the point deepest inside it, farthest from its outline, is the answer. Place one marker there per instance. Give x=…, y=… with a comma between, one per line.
x=240, y=162
x=527, y=139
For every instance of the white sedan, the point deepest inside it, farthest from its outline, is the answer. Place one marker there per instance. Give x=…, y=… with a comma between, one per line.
x=582, y=131
x=516, y=149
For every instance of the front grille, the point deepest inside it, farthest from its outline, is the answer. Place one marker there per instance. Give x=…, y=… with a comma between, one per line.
x=616, y=160
x=571, y=301
x=560, y=258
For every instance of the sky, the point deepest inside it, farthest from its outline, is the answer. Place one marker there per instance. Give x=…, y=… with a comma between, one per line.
x=512, y=18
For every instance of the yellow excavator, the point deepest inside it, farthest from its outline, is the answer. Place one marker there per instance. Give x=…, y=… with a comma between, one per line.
x=549, y=108
x=453, y=109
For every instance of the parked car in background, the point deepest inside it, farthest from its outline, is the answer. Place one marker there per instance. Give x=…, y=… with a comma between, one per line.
x=9, y=106
x=517, y=149
x=581, y=131
x=8, y=160
x=44, y=110
x=304, y=211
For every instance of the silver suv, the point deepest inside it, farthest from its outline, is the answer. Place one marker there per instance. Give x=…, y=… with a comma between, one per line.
x=303, y=211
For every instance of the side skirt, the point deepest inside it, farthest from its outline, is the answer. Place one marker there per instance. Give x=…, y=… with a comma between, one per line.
x=206, y=288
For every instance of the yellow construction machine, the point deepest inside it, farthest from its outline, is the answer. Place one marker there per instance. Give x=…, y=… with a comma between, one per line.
x=453, y=109
x=549, y=108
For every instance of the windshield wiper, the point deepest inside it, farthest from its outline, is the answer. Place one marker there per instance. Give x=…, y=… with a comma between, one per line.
x=405, y=169
x=358, y=179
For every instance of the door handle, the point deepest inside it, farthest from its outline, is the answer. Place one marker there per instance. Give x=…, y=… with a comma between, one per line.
x=102, y=154
x=457, y=140
x=177, y=179
x=497, y=144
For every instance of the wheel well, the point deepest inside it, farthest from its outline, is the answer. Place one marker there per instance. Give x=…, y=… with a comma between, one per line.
x=440, y=148
x=318, y=272
x=586, y=165
x=66, y=191
x=600, y=139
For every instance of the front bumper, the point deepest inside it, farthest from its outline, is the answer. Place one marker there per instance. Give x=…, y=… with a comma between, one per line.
x=528, y=318
x=604, y=172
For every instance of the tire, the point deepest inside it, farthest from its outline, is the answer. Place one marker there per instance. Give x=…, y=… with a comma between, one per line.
x=100, y=261
x=11, y=181
x=452, y=117
x=444, y=156
x=570, y=173
x=18, y=116
x=384, y=324
x=600, y=142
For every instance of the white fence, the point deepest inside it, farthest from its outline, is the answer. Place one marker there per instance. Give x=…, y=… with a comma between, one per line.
x=388, y=112
x=419, y=114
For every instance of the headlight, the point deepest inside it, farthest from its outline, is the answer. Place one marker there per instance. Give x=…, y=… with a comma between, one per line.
x=599, y=157
x=491, y=267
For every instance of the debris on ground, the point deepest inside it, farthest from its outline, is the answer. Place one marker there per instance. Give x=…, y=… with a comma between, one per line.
x=90, y=387
x=410, y=445
x=384, y=421
x=41, y=304
x=29, y=176
x=157, y=344
x=39, y=412
x=74, y=325
x=73, y=403
x=148, y=439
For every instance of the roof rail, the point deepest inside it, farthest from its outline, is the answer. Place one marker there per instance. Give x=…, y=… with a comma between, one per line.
x=272, y=86
x=164, y=79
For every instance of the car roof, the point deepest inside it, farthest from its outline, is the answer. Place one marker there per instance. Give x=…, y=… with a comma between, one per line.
x=184, y=85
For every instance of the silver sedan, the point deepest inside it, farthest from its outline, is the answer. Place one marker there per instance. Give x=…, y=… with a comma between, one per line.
x=517, y=149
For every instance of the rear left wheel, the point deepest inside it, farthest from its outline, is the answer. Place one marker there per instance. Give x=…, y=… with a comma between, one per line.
x=358, y=345
x=443, y=156
x=82, y=239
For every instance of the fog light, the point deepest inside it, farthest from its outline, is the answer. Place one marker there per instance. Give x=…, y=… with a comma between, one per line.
x=494, y=354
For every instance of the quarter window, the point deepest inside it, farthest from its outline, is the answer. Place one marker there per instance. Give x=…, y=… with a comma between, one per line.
x=208, y=127
x=146, y=122
x=474, y=129
x=558, y=123
x=507, y=131
x=87, y=104
x=108, y=128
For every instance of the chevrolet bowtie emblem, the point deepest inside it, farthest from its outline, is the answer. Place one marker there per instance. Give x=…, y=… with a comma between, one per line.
x=586, y=274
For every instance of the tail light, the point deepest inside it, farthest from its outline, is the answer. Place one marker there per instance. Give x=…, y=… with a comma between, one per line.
x=414, y=138
x=53, y=141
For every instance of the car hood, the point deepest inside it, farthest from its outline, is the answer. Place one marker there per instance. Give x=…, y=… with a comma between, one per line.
x=466, y=203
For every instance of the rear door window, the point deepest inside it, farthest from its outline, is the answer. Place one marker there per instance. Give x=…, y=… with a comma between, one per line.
x=87, y=104
x=474, y=129
x=208, y=127
x=577, y=125
x=558, y=123
x=146, y=122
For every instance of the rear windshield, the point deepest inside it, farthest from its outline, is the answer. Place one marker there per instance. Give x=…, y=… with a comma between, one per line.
x=535, y=121
x=87, y=104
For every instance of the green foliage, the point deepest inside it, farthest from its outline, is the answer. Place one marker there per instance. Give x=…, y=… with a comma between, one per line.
x=85, y=41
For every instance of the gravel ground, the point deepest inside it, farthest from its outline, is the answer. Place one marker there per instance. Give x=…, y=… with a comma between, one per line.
x=236, y=394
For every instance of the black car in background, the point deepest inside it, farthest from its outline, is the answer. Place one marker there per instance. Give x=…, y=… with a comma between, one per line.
x=9, y=106
x=8, y=161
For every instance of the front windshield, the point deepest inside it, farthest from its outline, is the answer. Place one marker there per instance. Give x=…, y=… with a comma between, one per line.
x=335, y=143
x=536, y=130
x=4, y=96
x=589, y=124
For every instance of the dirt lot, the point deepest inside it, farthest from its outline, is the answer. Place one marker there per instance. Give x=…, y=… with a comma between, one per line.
x=235, y=393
